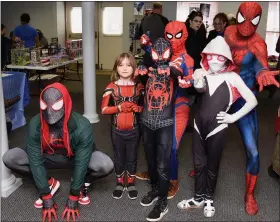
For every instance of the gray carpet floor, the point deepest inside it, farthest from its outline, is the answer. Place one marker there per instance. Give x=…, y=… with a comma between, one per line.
x=229, y=196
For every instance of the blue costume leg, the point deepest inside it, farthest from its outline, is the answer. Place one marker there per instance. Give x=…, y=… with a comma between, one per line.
x=182, y=110
x=248, y=127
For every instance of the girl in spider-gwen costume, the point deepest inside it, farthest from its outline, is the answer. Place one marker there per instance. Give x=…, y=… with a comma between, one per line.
x=220, y=88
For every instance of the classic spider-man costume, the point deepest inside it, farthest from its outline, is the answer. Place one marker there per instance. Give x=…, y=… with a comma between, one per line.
x=249, y=53
x=176, y=33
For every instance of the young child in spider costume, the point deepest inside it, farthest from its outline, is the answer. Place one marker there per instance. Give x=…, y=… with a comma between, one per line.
x=59, y=139
x=249, y=54
x=157, y=126
x=122, y=99
x=176, y=33
x=220, y=88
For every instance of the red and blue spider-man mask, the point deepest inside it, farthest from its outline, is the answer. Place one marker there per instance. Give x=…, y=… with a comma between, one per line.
x=161, y=52
x=248, y=18
x=176, y=33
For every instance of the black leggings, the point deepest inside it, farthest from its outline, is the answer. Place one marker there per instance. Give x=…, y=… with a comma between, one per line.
x=157, y=145
x=125, y=145
x=207, y=155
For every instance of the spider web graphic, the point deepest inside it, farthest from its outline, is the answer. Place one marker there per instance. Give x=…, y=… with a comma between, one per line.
x=158, y=97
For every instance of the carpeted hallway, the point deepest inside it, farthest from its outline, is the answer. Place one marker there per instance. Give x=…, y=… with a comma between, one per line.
x=229, y=197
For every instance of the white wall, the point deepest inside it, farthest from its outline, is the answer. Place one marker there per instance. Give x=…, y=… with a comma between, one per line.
x=43, y=16
x=169, y=10
x=232, y=7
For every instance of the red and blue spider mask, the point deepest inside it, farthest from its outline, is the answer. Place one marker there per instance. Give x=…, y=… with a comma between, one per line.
x=248, y=18
x=161, y=52
x=176, y=33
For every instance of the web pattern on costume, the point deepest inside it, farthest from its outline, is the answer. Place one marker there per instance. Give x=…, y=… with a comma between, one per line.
x=159, y=91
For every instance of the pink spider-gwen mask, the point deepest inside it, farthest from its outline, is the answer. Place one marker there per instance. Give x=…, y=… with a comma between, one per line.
x=216, y=62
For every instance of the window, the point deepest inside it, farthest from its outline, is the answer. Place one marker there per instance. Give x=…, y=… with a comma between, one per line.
x=272, y=27
x=185, y=8
x=112, y=21
x=76, y=20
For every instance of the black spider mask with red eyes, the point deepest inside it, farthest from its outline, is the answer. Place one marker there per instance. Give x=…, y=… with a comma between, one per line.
x=161, y=52
x=52, y=105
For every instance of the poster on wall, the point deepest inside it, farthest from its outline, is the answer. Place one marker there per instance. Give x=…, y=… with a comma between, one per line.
x=205, y=9
x=138, y=8
x=193, y=7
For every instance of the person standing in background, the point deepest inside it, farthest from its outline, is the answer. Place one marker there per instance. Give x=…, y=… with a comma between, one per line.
x=152, y=25
x=43, y=40
x=197, y=37
x=6, y=45
x=278, y=50
x=26, y=32
x=220, y=22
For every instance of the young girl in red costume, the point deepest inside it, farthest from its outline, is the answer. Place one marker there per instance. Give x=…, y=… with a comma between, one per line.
x=122, y=99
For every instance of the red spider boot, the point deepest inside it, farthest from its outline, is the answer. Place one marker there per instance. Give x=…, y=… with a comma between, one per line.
x=251, y=205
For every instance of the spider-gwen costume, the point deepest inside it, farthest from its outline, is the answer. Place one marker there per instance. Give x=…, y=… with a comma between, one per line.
x=58, y=138
x=220, y=88
x=176, y=33
x=249, y=54
x=157, y=127
x=124, y=103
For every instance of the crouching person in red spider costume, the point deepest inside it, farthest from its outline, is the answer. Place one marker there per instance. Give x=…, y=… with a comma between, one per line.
x=249, y=54
x=157, y=127
x=58, y=138
x=122, y=99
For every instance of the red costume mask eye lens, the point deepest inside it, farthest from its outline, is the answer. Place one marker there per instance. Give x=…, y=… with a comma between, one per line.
x=209, y=57
x=155, y=56
x=169, y=36
x=178, y=35
x=221, y=58
x=43, y=105
x=58, y=105
x=256, y=20
x=166, y=54
x=240, y=18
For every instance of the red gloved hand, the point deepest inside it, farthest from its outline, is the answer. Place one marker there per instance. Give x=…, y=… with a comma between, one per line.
x=125, y=107
x=185, y=82
x=49, y=208
x=163, y=69
x=145, y=40
x=176, y=64
x=141, y=70
x=137, y=109
x=71, y=209
x=266, y=78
